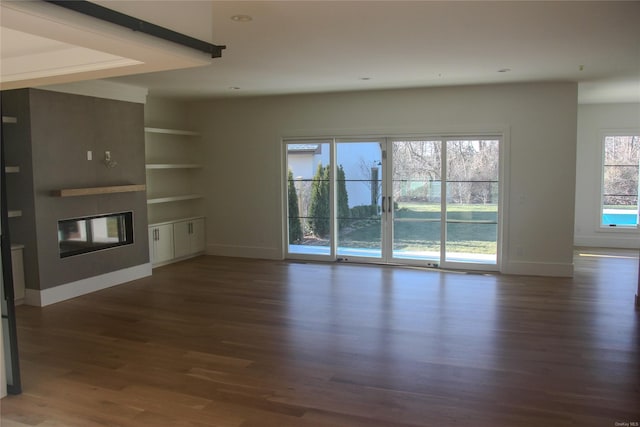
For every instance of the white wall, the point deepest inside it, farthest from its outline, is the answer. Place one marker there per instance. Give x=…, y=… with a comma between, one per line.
x=244, y=158
x=593, y=121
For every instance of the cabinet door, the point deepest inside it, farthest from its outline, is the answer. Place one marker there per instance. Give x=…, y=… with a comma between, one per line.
x=198, y=236
x=152, y=245
x=189, y=237
x=182, y=243
x=17, y=265
x=161, y=242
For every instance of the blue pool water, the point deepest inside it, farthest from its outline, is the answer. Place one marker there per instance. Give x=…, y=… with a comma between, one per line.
x=619, y=218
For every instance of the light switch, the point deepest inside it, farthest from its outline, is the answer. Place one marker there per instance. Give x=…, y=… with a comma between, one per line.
x=89, y=155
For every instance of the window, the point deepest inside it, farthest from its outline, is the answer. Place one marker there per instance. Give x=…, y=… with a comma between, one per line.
x=620, y=171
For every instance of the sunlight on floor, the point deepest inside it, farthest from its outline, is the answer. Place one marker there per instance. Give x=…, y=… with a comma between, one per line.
x=608, y=256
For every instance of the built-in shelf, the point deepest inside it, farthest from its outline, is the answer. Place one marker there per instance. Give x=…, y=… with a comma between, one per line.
x=173, y=198
x=14, y=213
x=173, y=166
x=173, y=220
x=174, y=178
x=8, y=119
x=74, y=192
x=171, y=131
x=12, y=169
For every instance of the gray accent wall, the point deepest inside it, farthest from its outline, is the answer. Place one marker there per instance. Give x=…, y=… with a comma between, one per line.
x=50, y=143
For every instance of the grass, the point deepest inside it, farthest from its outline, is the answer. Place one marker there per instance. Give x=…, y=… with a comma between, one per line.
x=417, y=228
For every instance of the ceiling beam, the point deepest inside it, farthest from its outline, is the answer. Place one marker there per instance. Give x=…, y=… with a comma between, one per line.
x=135, y=24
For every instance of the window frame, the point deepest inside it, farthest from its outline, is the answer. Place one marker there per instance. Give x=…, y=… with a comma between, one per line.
x=600, y=225
x=501, y=134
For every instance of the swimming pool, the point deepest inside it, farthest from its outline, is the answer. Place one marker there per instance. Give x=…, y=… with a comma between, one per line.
x=619, y=217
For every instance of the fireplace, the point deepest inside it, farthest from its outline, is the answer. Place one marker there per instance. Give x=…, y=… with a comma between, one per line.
x=94, y=233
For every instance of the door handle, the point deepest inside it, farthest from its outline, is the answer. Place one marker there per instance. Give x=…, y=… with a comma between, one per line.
x=390, y=205
x=383, y=207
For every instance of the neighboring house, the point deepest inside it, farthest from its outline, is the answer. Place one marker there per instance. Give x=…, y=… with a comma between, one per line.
x=361, y=163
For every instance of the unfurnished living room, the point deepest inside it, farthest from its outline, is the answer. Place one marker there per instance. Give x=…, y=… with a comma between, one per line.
x=320, y=213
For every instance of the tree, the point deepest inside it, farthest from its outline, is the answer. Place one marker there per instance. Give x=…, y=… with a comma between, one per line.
x=295, y=228
x=319, y=207
x=343, y=198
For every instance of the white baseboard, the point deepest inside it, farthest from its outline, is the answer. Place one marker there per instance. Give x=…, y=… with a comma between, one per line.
x=551, y=269
x=244, y=251
x=41, y=298
x=619, y=242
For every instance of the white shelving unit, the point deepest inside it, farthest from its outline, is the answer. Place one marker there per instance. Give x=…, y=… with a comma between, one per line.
x=16, y=249
x=174, y=194
x=171, y=131
x=12, y=169
x=174, y=198
x=173, y=174
x=173, y=166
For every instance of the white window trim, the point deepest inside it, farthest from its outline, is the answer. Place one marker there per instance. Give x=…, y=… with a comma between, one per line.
x=599, y=227
x=502, y=132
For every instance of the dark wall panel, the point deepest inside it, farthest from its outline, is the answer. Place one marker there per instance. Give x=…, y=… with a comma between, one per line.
x=63, y=128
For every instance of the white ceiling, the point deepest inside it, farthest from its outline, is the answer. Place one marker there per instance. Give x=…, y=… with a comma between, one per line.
x=41, y=43
x=322, y=46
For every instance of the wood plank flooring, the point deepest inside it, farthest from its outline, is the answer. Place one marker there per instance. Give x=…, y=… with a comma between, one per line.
x=241, y=343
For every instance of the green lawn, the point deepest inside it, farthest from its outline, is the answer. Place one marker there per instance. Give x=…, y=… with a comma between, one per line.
x=417, y=228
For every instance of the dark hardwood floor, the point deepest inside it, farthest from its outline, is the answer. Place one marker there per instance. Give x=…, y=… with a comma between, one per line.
x=236, y=342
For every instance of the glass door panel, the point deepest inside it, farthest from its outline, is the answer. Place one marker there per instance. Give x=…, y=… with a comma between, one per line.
x=413, y=201
x=308, y=198
x=472, y=191
x=358, y=184
x=416, y=198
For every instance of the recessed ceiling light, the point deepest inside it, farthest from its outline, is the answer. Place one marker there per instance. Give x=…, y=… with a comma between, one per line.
x=365, y=78
x=234, y=88
x=241, y=18
x=504, y=70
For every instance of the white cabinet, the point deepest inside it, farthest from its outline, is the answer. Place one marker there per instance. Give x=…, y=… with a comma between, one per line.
x=189, y=237
x=3, y=379
x=174, y=194
x=176, y=240
x=17, y=267
x=161, y=243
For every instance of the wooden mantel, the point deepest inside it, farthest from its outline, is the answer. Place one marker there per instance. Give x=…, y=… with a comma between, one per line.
x=74, y=192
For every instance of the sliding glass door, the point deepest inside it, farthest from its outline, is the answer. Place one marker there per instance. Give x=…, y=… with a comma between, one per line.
x=359, y=177
x=416, y=197
x=418, y=201
x=471, y=203
x=309, y=198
